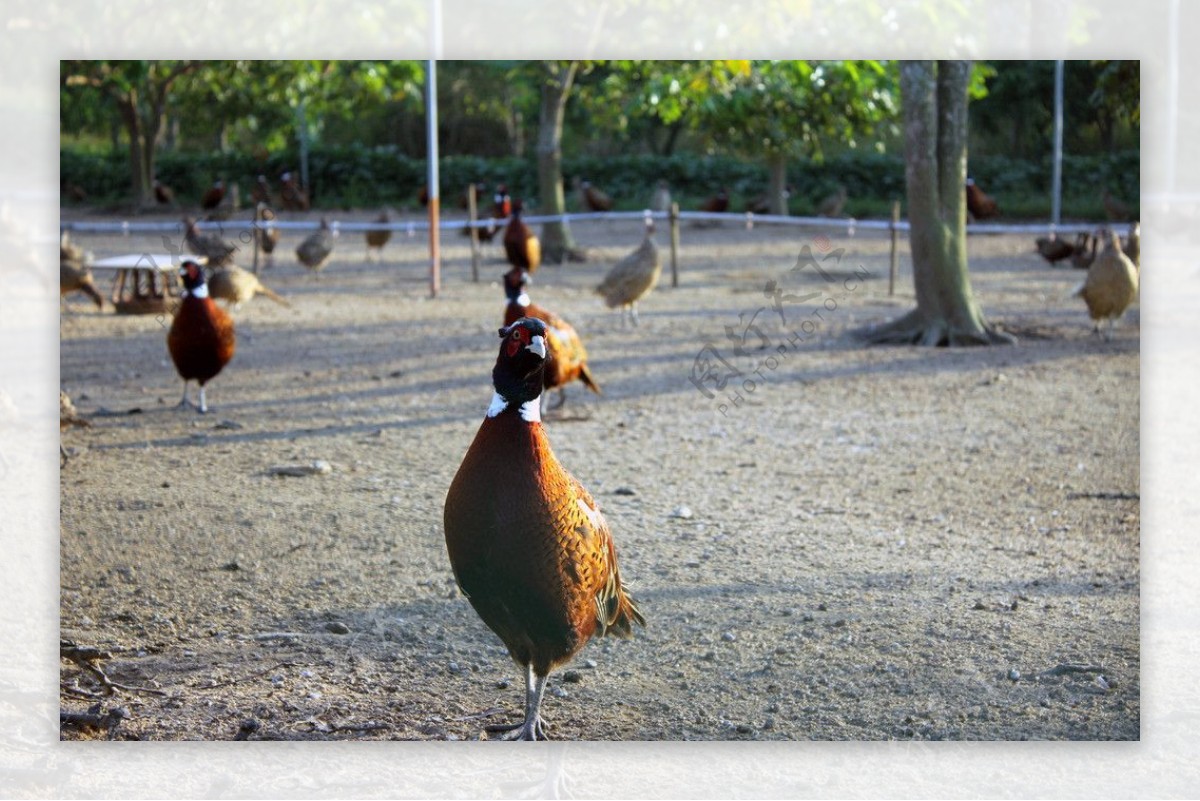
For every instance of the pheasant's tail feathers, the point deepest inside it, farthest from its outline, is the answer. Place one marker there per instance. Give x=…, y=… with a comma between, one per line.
x=90, y=290
x=616, y=614
x=270, y=293
x=616, y=611
x=585, y=375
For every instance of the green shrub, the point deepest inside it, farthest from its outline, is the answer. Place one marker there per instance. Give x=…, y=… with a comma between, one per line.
x=357, y=176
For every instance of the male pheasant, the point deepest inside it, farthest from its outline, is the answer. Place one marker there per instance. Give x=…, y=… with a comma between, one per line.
x=567, y=357
x=528, y=545
x=521, y=246
x=201, y=339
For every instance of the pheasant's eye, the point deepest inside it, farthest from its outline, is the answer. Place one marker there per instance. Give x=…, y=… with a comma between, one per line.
x=518, y=334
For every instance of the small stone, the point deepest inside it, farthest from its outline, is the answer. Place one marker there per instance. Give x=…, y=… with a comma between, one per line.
x=1014, y=674
x=729, y=636
x=709, y=656
x=337, y=627
x=624, y=491
x=572, y=676
x=978, y=606
x=682, y=513
x=745, y=728
x=1102, y=683
x=454, y=667
x=590, y=663
x=228, y=425
x=559, y=692
x=503, y=684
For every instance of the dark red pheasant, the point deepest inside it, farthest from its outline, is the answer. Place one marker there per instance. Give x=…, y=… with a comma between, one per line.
x=201, y=339
x=979, y=204
x=520, y=245
x=566, y=360
x=718, y=203
x=213, y=196
x=527, y=543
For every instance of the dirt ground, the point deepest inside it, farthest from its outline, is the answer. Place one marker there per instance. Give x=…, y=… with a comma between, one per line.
x=872, y=543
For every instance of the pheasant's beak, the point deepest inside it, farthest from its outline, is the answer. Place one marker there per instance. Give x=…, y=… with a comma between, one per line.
x=538, y=345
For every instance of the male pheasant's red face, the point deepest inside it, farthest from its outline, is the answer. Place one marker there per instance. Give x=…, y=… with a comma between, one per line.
x=191, y=274
x=519, y=337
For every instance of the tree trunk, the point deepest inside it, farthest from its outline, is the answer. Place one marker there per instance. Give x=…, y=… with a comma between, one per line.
x=141, y=181
x=777, y=183
x=557, y=242
x=935, y=155
x=673, y=131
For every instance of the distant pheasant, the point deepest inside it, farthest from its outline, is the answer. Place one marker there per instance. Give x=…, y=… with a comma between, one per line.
x=235, y=286
x=1111, y=283
x=527, y=543
x=633, y=277
x=210, y=246
x=314, y=252
x=521, y=246
x=74, y=274
x=377, y=239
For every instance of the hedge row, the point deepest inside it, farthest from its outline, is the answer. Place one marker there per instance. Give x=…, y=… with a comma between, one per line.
x=364, y=177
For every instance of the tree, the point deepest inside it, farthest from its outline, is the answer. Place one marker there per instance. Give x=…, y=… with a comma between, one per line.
x=783, y=109
x=556, y=80
x=935, y=156
x=140, y=90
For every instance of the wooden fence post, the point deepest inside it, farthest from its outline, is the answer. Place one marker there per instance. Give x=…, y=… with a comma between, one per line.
x=894, y=227
x=472, y=205
x=674, y=215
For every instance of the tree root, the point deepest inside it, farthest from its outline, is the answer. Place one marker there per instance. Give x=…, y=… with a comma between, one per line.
x=914, y=329
x=86, y=657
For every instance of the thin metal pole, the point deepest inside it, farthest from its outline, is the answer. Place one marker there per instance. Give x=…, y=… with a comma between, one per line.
x=895, y=229
x=431, y=147
x=257, y=234
x=473, y=215
x=1056, y=180
x=302, y=130
x=674, y=244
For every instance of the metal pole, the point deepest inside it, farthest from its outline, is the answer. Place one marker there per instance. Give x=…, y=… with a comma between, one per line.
x=1056, y=180
x=302, y=129
x=674, y=244
x=473, y=215
x=1173, y=38
x=895, y=229
x=431, y=160
x=254, y=233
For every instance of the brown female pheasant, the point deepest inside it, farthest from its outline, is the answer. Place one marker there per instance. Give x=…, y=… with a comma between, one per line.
x=527, y=543
x=566, y=359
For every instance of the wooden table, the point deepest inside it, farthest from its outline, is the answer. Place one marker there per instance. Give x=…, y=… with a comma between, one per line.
x=143, y=283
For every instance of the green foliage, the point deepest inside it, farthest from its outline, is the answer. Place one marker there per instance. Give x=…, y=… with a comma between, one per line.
x=357, y=176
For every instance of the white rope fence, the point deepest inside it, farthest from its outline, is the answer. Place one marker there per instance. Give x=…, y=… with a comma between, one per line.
x=848, y=224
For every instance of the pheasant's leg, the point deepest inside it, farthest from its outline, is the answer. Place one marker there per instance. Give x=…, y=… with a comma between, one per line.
x=184, y=401
x=203, y=404
x=633, y=313
x=533, y=727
